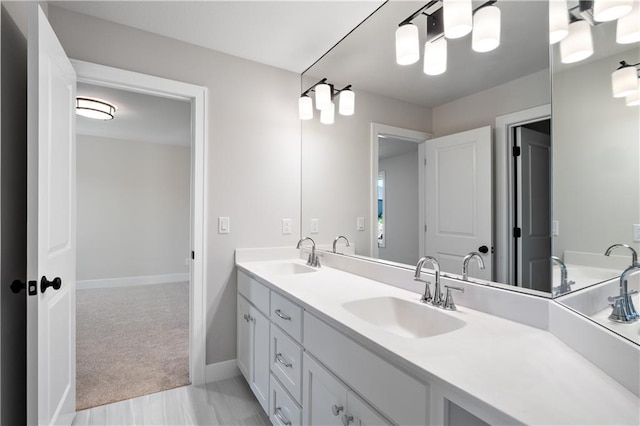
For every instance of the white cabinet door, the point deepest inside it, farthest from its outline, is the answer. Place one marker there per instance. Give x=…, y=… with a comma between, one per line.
x=51, y=226
x=324, y=397
x=359, y=413
x=260, y=372
x=244, y=340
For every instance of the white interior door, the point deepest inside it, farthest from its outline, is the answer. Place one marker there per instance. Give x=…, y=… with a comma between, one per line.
x=459, y=206
x=51, y=222
x=534, y=209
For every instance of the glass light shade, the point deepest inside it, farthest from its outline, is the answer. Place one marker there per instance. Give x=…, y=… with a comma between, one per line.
x=457, y=18
x=628, y=27
x=634, y=98
x=558, y=20
x=435, y=56
x=624, y=81
x=95, y=108
x=327, y=114
x=578, y=44
x=608, y=10
x=305, y=108
x=407, y=45
x=347, y=104
x=323, y=96
x=486, y=29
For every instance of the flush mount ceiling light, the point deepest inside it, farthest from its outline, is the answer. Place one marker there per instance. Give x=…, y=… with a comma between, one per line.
x=609, y=10
x=628, y=26
x=578, y=44
x=407, y=44
x=457, y=18
x=624, y=80
x=95, y=108
x=325, y=94
x=558, y=20
x=486, y=29
x=435, y=56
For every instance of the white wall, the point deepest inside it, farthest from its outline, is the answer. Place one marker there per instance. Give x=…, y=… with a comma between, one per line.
x=482, y=108
x=133, y=208
x=596, y=178
x=253, y=146
x=401, y=208
x=336, y=166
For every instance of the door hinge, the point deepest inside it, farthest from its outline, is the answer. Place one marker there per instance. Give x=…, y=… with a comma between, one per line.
x=193, y=255
x=425, y=228
x=516, y=151
x=425, y=162
x=517, y=232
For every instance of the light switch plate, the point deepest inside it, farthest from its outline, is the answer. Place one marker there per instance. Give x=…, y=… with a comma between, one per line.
x=315, y=226
x=555, y=228
x=360, y=224
x=286, y=226
x=636, y=233
x=224, y=225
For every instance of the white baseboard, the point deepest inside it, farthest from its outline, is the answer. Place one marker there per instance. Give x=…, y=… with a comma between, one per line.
x=132, y=281
x=221, y=370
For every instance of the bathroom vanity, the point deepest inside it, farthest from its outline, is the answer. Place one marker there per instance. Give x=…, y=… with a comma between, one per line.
x=326, y=346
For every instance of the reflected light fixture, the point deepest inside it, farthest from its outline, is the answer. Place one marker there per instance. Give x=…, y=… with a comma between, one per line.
x=325, y=94
x=457, y=18
x=624, y=80
x=327, y=114
x=578, y=44
x=347, y=104
x=558, y=20
x=608, y=10
x=628, y=26
x=407, y=44
x=634, y=98
x=305, y=107
x=435, y=56
x=95, y=108
x=486, y=29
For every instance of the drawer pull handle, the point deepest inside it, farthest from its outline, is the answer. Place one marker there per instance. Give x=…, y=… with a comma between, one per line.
x=336, y=409
x=283, y=316
x=282, y=361
x=281, y=417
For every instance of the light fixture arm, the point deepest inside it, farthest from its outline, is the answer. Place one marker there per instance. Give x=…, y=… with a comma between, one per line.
x=312, y=88
x=624, y=64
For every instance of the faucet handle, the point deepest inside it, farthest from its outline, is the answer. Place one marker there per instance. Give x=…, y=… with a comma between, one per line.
x=448, y=300
x=426, y=296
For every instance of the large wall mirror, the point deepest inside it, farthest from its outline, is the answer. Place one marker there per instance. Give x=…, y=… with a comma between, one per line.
x=528, y=162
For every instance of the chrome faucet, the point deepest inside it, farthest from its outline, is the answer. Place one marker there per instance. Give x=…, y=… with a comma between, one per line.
x=335, y=241
x=312, y=260
x=634, y=254
x=465, y=264
x=436, y=299
x=565, y=285
x=623, y=309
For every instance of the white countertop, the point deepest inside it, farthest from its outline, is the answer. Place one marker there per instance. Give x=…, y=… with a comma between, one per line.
x=524, y=372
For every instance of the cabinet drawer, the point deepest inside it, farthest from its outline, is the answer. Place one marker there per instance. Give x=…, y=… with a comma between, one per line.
x=255, y=292
x=283, y=410
x=287, y=315
x=286, y=362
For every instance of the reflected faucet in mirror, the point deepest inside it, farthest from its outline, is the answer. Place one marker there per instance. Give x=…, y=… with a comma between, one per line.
x=436, y=299
x=336, y=239
x=565, y=284
x=313, y=258
x=623, y=309
x=634, y=254
x=465, y=264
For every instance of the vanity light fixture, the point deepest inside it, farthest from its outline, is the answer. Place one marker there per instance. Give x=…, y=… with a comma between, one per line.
x=558, y=20
x=624, y=80
x=95, y=108
x=447, y=19
x=634, y=98
x=609, y=10
x=628, y=26
x=325, y=94
x=578, y=44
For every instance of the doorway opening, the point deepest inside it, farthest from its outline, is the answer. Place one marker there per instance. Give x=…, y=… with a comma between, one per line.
x=133, y=238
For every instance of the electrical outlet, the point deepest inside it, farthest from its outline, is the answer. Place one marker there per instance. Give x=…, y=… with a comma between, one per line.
x=315, y=226
x=286, y=226
x=636, y=233
x=224, y=225
x=360, y=223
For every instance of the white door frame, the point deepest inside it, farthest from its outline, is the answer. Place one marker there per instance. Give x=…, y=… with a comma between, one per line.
x=504, y=196
x=197, y=95
x=416, y=136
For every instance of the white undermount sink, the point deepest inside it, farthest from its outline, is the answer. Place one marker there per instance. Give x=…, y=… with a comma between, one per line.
x=286, y=268
x=404, y=318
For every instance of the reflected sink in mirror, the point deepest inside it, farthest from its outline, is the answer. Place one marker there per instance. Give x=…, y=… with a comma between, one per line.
x=286, y=268
x=404, y=318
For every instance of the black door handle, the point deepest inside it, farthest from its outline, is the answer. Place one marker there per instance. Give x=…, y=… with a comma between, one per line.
x=17, y=286
x=45, y=283
x=483, y=249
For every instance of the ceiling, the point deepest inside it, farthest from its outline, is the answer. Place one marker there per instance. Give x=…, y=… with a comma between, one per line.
x=139, y=117
x=290, y=35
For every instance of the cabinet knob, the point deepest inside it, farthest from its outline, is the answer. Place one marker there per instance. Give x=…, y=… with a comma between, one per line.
x=347, y=419
x=336, y=409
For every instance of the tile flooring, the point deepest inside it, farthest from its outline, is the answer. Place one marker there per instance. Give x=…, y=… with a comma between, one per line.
x=226, y=402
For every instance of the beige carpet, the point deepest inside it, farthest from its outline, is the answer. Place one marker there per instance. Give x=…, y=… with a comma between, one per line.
x=131, y=341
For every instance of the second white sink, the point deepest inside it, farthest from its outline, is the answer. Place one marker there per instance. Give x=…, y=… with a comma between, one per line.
x=404, y=318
